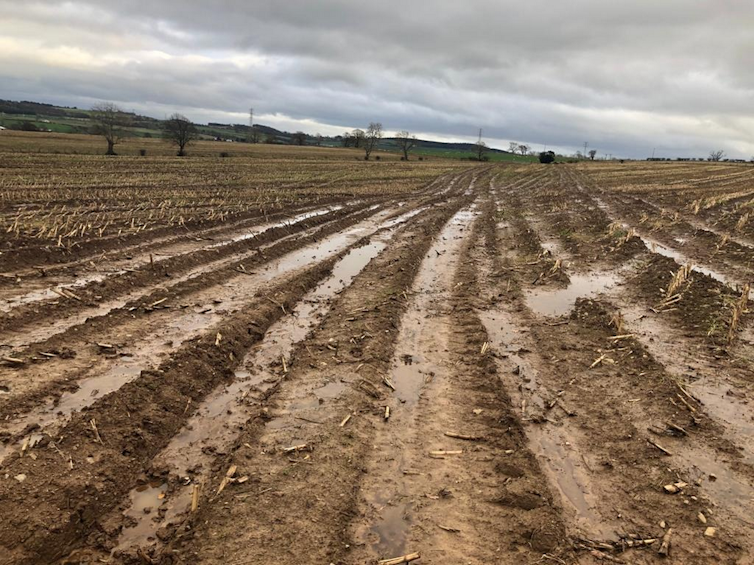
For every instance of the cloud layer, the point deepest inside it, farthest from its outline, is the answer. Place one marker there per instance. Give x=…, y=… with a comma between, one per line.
x=626, y=77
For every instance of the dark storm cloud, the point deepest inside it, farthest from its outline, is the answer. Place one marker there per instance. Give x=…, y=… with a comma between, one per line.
x=626, y=77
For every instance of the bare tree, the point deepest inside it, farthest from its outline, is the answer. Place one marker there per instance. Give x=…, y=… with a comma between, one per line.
x=347, y=139
x=298, y=138
x=513, y=147
x=523, y=149
x=717, y=155
x=480, y=150
x=371, y=137
x=592, y=154
x=318, y=139
x=357, y=137
x=179, y=130
x=255, y=136
x=109, y=121
x=270, y=139
x=406, y=142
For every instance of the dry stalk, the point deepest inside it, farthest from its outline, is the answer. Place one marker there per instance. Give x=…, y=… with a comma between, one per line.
x=618, y=322
x=739, y=309
x=680, y=277
x=742, y=222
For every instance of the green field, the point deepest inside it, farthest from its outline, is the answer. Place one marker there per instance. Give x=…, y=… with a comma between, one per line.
x=54, y=119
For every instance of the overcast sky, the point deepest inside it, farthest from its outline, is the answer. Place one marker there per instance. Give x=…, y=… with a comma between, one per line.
x=627, y=77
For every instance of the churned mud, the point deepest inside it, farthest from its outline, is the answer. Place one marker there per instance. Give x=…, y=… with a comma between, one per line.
x=514, y=364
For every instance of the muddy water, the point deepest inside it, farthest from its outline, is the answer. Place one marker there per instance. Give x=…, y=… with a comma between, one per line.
x=40, y=333
x=725, y=488
x=119, y=267
x=729, y=491
x=557, y=302
x=186, y=324
x=216, y=422
x=680, y=258
x=552, y=442
x=419, y=358
x=668, y=251
x=701, y=375
x=144, y=501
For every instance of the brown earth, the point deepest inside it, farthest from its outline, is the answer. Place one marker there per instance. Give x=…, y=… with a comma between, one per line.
x=494, y=367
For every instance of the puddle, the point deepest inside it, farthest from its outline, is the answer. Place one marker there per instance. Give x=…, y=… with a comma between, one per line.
x=507, y=338
x=188, y=324
x=721, y=399
x=119, y=267
x=727, y=490
x=667, y=251
x=700, y=225
x=557, y=302
x=416, y=344
x=552, y=247
x=19, y=339
x=418, y=359
x=680, y=258
x=551, y=444
x=736, y=414
x=391, y=529
x=403, y=217
x=564, y=466
x=145, y=500
x=313, y=400
x=219, y=418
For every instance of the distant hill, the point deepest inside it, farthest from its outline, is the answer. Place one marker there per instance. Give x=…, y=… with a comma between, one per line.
x=36, y=116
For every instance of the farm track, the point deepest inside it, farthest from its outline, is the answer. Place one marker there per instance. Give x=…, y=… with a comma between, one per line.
x=224, y=333
x=97, y=297
x=125, y=245
x=96, y=371
x=485, y=373
x=720, y=441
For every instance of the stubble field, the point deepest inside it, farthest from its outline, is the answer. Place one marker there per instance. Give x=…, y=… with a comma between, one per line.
x=304, y=358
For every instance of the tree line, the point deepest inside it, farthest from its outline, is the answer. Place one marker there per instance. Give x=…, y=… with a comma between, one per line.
x=110, y=121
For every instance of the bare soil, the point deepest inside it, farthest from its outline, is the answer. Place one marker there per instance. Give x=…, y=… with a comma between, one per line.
x=502, y=366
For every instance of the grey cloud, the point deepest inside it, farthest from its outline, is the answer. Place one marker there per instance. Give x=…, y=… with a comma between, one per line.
x=624, y=76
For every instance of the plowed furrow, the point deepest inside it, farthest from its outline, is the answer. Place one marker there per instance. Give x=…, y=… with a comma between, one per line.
x=119, y=434
x=351, y=346
x=186, y=463
x=115, y=290
x=156, y=333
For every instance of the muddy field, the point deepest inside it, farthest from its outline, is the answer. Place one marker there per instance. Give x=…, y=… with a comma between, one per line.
x=315, y=361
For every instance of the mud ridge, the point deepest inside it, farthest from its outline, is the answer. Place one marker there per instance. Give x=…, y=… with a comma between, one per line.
x=101, y=452
x=352, y=345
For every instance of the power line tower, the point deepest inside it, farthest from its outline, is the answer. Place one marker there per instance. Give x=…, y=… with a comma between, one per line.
x=586, y=144
x=250, y=135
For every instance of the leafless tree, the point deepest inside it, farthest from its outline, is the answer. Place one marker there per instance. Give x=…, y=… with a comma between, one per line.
x=318, y=140
x=270, y=139
x=255, y=136
x=717, y=155
x=109, y=121
x=179, y=130
x=480, y=150
x=347, y=139
x=371, y=137
x=592, y=154
x=406, y=143
x=513, y=147
x=523, y=149
x=298, y=138
x=358, y=136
